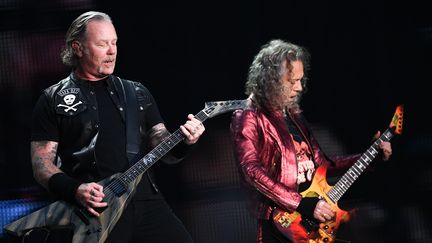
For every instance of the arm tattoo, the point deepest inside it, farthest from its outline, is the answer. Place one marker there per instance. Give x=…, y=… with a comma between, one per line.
x=43, y=155
x=157, y=134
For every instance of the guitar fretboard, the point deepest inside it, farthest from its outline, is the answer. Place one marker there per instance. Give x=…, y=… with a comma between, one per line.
x=154, y=155
x=359, y=166
x=212, y=108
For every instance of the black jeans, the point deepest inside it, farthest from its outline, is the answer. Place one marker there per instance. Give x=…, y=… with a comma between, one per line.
x=149, y=221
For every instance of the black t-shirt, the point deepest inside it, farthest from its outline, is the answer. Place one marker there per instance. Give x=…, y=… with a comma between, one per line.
x=110, y=150
x=303, y=155
x=111, y=144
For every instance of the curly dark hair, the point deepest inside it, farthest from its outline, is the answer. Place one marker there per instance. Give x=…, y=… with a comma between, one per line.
x=264, y=78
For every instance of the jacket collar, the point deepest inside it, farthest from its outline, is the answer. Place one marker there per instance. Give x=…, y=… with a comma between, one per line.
x=77, y=80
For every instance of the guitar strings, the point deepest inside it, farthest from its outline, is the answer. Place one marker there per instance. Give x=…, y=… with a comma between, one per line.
x=141, y=166
x=348, y=179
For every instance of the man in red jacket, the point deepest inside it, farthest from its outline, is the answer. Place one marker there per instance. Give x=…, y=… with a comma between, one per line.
x=276, y=151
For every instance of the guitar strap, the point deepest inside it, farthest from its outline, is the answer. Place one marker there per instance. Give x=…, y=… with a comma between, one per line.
x=132, y=122
x=133, y=139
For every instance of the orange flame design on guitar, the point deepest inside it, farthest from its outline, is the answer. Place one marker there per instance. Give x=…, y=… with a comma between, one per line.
x=303, y=230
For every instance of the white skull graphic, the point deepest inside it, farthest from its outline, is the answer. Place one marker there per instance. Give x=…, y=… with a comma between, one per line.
x=69, y=99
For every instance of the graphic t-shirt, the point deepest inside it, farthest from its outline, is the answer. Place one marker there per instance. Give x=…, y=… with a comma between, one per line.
x=305, y=164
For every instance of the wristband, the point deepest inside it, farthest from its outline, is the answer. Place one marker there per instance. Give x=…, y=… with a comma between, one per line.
x=307, y=206
x=63, y=186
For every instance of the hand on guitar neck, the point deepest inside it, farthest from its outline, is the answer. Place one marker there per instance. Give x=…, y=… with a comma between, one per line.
x=323, y=211
x=323, y=198
x=385, y=146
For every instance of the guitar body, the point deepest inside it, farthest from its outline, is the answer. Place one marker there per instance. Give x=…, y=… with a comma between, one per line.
x=87, y=228
x=118, y=190
x=299, y=229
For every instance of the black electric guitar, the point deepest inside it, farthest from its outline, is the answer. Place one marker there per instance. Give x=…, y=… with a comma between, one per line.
x=303, y=230
x=118, y=190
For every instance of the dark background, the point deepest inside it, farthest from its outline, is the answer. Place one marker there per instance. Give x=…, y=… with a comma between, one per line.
x=367, y=58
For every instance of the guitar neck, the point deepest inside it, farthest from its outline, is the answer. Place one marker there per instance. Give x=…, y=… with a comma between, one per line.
x=156, y=153
x=211, y=109
x=339, y=189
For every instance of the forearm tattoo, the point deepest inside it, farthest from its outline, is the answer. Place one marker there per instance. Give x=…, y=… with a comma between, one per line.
x=43, y=155
x=157, y=134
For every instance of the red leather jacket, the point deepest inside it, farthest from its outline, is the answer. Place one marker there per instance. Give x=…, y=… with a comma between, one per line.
x=266, y=157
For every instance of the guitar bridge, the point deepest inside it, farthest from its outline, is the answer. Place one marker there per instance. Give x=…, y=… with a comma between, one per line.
x=309, y=224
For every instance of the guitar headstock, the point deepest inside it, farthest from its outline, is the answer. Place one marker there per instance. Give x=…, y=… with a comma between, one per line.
x=397, y=121
x=215, y=108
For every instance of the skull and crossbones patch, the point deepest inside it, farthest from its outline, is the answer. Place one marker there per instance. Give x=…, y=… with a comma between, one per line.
x=69, y=101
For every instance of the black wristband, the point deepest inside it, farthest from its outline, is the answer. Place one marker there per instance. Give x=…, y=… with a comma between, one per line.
x=63, y=186
x=307, y=206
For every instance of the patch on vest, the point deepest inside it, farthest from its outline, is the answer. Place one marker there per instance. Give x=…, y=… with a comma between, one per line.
x=69, y=102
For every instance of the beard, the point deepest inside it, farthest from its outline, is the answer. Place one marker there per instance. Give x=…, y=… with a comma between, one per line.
x=283, y=98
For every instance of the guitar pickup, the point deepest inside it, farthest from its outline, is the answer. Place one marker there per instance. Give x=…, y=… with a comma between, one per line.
x=101, y=209
x=82, y=216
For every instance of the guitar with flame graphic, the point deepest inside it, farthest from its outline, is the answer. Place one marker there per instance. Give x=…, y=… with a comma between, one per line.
x=299, y=229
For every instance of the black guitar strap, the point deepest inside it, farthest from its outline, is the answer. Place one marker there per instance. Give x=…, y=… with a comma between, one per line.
x=132, y=122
